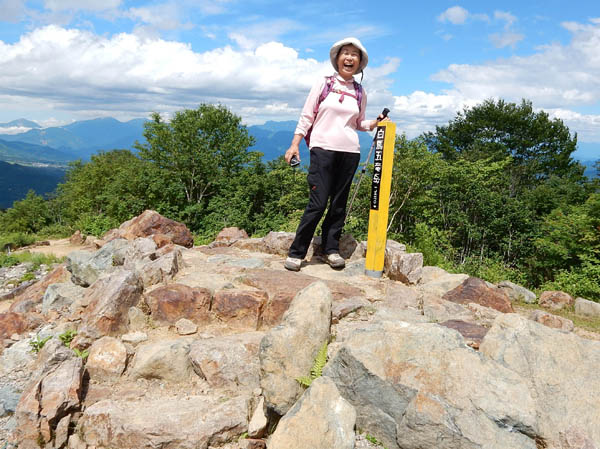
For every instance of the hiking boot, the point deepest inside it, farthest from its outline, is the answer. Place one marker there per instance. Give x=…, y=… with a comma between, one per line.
x=335, y=260
x=292, y=264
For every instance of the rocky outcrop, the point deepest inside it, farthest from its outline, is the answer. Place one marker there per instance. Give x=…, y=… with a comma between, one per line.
x=556, y=300
x=476, y=290
x=166, y=360
x=172, y=302
x=86, y=267
x=288, y=351
x=517, y=293
x=321, y=409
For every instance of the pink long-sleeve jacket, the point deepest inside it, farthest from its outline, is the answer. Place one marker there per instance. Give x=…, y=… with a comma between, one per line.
x=336, y=123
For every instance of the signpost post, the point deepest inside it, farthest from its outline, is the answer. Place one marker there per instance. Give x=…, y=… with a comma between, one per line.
x=383, y=161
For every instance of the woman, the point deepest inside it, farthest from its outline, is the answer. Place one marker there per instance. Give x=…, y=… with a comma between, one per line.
x=331, y=122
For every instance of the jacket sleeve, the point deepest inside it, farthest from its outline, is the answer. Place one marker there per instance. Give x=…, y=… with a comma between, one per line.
x=363, y=125
x=307, y=115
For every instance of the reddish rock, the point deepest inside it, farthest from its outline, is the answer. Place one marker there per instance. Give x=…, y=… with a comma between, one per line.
x=34, y=294
x=556, y=300
x=553, y=321
x=12, y=323
x=282, y=286
x=252, y=443
x=230, y=235
x=162, y=240
x=239, y=307
x=476, y=290
x=77, y=238
x=472, y=333
x=151, y=223
x=172, y=302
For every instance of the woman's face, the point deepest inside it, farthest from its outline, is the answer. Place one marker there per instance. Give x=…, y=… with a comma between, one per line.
x=348, y=60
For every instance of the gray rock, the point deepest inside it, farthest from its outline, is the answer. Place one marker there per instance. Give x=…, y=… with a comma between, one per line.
x=228, y=362
x=61, y=296
x=437, y=281
x=17, y=357
x=517, y=293
x=166, y=360
x=184, y=326
x=134, y=337
x=160, y=270
x=321, y=419
x=560, y=370
x=87, y=267
x=137, y=319
x=107, y=359
x=185, y=423
x=408, y=382
x=9, y=398
x=402, y=266
x=288, y=350
x=278, y=242
x=258, y=423
x=584, y=307
x=553, y=321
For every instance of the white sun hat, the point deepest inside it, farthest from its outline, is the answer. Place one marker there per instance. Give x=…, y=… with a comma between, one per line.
x=335, y=49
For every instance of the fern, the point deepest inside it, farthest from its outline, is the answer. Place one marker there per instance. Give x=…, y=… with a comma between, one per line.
x=317, y=369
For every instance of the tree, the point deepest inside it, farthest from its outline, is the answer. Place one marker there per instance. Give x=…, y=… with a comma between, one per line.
x=28, y=215
x=198, y=149
x=539, y=147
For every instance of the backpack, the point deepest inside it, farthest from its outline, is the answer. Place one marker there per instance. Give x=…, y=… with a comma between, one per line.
x=327, y=88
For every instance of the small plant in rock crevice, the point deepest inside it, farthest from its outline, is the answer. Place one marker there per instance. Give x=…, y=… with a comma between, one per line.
x=38, y=343
x=67, y=337
x=317, y=368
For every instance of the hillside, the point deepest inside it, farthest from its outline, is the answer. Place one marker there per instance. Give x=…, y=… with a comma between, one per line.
x=17, y=180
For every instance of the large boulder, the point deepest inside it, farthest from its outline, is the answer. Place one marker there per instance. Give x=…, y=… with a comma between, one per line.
x=584, y=307
x=278, y=242
x=476, y=290
x=560, y=370
x=228, y=362
x=228, y=236
x=321, y=419
x=60, y=296
x=86, y=267
x=172, y=302
x=400, y=265
x=167, y=359
x=556, y=300
x=418, y=386
x=553, y=321
x=517, y=293
x=110, y=298
x=193, y=422
x=107, y=359
x=241, y=308
x=438, y=281
x=151, y=223
x=27, y=300
x=288, y=350
x=12, y=323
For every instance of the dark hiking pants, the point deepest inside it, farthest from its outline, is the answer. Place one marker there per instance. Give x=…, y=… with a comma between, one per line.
x=329, y=177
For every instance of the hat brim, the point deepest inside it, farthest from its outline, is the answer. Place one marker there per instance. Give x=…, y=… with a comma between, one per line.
x=335, y=49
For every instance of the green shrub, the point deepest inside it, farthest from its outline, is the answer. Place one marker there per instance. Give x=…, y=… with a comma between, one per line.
x=16, y=240
x=96, y=225
x=583, y=282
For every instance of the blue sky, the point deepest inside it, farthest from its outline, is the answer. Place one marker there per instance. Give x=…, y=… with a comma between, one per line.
x=66, y=60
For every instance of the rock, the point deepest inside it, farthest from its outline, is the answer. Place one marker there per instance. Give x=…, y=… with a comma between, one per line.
x=556, y=300
x=288, y=350
x=137, y=319
x=258, y=423
x=134, y=337
x=438, y=281
x=17, y=357
x=184, y=326
x=76, y=238
x=12, y=323
x=239, y=307
x=228, y=236
x=61, y=433
x=584, y=307
x=167, y=359
x=188, y=423
x=110, y=298
x=47, y=400
x=517, y=293
x=60, y=296
x=345, y=307
x=408, y=382
x=560, y=369
x=251, y=443
x=282, y=286
x=472, y=333
x=172, y=302
x=107, y=359
x=250, y=244
x=152, y=223
x=321, y=419
x=228, y=362
x=162, y=269
x=278, y=242
x=9, y=398
x=86, y=267
x=26, y=300
x=553, y=321
x=475, y=290
x=402, y=266
x=438, y=310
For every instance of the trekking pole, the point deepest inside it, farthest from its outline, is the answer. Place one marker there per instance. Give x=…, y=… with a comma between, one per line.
x=384, y=113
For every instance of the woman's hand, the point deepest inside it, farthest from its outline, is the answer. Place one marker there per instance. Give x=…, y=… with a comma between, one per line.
x=380, y=118
x=294, y=149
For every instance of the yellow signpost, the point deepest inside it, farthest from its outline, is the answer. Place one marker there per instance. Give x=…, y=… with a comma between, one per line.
x=383, y=162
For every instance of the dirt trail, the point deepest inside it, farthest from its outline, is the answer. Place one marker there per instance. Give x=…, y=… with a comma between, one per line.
x=60, y=248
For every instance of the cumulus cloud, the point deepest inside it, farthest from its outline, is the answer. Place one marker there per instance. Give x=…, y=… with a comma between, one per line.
x=507, y=38
x=12, y=10
x=557, y=78
x=75, y=5
x=457, y=15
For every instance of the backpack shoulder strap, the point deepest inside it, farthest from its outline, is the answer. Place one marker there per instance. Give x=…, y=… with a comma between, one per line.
x=327, y=88
x=359, y=94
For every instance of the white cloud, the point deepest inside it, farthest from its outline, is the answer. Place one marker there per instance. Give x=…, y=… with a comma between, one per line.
x=506, y=39
x=456, y=15
x=251, y=36
x=74, y=5
x=505, y=16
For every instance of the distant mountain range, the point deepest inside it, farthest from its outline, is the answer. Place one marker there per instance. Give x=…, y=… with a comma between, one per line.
x=54, y=147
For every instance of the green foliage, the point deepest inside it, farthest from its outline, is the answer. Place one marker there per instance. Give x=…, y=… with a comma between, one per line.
x=15, y=240
x=371, y=439
x=96, y=225
x=82, y=354
x=317, y=369
x=36, y=259
x=38, y=343
x=67, y=337
x=583, y=281
x=28, y=215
